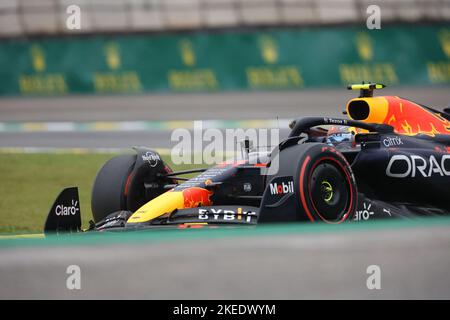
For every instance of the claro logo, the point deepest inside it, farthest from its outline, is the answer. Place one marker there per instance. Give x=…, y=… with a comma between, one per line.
x=282, y=188
x=62, y=210
x=402, y=166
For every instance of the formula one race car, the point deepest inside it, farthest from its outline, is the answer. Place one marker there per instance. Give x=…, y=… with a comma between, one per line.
x=390, y=158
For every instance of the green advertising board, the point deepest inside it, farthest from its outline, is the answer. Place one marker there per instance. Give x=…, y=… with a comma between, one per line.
x=288, y=58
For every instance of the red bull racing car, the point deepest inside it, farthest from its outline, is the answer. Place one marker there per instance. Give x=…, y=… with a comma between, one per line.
x=389, y=158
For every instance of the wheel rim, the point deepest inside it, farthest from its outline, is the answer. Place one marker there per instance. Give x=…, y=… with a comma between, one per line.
x=329, y=192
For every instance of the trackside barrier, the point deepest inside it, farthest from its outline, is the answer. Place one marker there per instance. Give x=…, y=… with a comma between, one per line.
x=289, y=58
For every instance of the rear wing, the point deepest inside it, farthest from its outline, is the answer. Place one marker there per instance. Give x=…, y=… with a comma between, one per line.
x=64, y=215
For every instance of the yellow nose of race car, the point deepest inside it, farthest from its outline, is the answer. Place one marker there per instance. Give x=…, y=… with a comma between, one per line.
x=170, y=201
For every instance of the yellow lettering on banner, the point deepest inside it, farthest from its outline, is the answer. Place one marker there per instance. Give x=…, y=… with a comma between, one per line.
x=38, y=58
x=198, y=79
x=274, y=77
x=187, y=52
x=127, y=81
x=112, y=55
x=364, y=46
x=439, y=72
x=377, y=72
x=46, y=84
x=269, y=49
x=444, y=39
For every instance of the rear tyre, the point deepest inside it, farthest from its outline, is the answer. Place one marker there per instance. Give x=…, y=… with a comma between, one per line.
x=326, y=186
x=109, y=190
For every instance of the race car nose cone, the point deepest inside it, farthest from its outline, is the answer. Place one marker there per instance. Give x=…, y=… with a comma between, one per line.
x=170, y=201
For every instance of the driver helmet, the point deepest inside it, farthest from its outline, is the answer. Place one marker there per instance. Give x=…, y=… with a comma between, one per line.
x=341, y=135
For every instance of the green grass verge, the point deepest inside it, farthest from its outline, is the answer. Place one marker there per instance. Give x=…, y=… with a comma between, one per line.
x=29, y=184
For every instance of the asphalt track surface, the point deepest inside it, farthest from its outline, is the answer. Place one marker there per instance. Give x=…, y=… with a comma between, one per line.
x=94, y=140
x=311, y=262
x=275, y=262
x=243, y=105
x=256, y=105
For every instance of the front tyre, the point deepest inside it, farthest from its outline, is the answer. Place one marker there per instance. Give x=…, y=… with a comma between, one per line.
x=109, y=192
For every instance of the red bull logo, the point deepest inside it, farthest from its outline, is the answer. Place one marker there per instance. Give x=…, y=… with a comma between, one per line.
x=195, y=196
x=410, y=118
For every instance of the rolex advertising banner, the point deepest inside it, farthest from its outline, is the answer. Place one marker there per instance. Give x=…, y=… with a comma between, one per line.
x=246, y=60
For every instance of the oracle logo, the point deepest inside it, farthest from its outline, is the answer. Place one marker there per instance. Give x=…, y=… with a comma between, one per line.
x=414, y=166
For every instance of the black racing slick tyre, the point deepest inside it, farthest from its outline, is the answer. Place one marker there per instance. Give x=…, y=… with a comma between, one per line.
x=109, y=189
x=324, y=188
